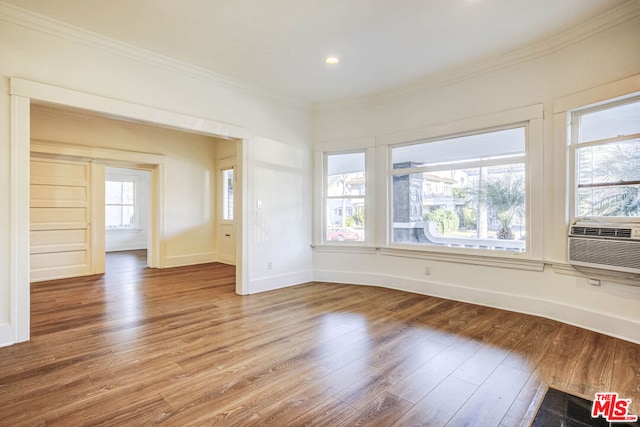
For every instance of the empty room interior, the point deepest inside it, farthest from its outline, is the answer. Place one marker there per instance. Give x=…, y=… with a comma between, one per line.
x=331, y=213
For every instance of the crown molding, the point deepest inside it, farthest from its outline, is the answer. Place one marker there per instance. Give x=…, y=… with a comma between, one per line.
x=611, y=18
x=602, y=22
x=43, y=24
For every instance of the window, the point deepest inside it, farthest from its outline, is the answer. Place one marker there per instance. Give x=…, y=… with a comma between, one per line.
x=120, y=209
x=606, y=144
x=466, y=191
x=345, y=197
x=227, y=194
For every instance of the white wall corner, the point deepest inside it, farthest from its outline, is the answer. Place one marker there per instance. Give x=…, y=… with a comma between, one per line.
x=225, y=259
x=280, y=281
x=5, y=335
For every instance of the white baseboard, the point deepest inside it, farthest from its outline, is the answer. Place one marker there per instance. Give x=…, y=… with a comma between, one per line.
x=280, y=281
x=604, y=323
x=55, y=273
x=126, y=247
x=230, y=260
x=6, y=337
x=192, y=259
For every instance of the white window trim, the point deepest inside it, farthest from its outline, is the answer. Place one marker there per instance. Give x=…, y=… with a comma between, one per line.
x=529, y=117
x=224, y=220
x=324, y=149
x=563, y=208
x=225, y=164
x=379, y=191
x=574, y=145
x=137, y=202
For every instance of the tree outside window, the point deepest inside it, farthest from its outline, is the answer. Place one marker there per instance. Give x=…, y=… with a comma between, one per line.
x=465, y=192
x=606, y=141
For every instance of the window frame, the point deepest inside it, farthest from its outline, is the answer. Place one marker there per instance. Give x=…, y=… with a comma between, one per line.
x=223, y=194
x=136, y=181
x=379, y=215
x=326, y=197
x=520, y=159
x=561, y=164
x=573, y=117
x=323, y=150
x=531, y=117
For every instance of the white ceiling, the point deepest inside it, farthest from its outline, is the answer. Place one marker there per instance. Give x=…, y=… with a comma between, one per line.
x=281, y=45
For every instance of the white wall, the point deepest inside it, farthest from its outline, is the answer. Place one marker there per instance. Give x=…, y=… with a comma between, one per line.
x=39, y=50
x=136, y=238
x=281, y=229
x=599, y=59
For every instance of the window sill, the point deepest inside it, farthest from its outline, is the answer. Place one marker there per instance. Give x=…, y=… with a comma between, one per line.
x=121, y=230
x=345, y=248
x=463, y=258
x=458, y=258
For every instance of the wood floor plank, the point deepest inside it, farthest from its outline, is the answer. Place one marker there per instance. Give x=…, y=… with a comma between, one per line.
x=427, y=377
x=477, y=368
x=139, y=346
x=310, y=397
x=527, y=353
x=561, y=357
x=32, y=407
x=329, y=413
x=117, y=409
x=439, y=405
x=528, y=399
x=492, y=400
x=594, y=366
x=384, y=410
x=625, y=378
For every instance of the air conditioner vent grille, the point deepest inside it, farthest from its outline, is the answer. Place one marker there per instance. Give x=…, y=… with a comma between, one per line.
x=605, y=253
x=624, y=233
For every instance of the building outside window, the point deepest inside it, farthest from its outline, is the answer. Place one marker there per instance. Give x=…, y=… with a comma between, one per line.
x=467, y=191
x=605, y=141
x=345, y=197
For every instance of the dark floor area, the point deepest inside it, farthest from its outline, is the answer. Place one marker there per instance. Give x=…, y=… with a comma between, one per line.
x=562, y=409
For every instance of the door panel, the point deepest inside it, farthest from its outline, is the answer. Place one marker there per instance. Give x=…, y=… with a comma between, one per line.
x=60, y=218
x=226, y=225
x=227, y=244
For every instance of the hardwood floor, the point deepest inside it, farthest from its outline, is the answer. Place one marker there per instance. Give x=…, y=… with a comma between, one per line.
x=177, y=347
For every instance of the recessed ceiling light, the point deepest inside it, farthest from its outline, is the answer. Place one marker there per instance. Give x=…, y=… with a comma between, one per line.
x=332, y=60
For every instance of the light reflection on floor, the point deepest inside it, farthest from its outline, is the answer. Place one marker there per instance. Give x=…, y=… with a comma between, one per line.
x=122, y=291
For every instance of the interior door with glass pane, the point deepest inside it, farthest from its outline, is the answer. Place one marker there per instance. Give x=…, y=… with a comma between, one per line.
x=227, y=228
x=60, y=218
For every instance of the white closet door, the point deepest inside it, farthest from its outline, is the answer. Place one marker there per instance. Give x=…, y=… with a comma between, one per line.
x=60, y=218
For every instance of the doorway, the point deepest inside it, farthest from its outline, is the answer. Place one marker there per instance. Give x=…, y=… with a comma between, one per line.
x=127, y=209
x=26, y=93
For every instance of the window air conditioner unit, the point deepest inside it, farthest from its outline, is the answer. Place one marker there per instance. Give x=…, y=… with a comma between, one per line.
x=612, y=246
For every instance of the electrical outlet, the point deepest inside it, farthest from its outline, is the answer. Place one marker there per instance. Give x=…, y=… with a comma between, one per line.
x=427, y=271
x=269, y=265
